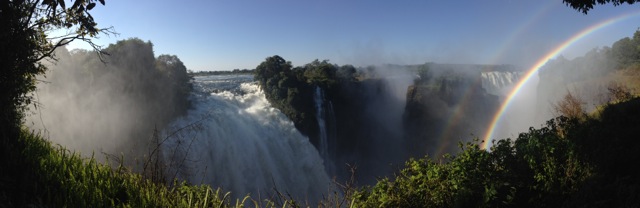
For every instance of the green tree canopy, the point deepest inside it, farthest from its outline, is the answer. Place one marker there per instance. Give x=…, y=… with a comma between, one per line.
x=585, y=5
x=320, y=72
x=24, y=44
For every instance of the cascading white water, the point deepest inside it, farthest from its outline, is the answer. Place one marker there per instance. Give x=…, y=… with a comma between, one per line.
x=318, y=98
x=242, y=144
x=498, y=82
x=321, y=117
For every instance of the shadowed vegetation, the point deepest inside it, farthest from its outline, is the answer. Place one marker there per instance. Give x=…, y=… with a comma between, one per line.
x=570, y=162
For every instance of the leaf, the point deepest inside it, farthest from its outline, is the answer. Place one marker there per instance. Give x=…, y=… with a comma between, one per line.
x=80, y=10
x=102, y=2
x=76, y=4
x=61, y=2
x=90, y=6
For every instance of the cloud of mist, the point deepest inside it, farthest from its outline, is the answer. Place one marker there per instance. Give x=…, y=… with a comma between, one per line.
x=587, y=77
x=397, y=72
x=520, y=113
x=93, y=107
x=375, y=144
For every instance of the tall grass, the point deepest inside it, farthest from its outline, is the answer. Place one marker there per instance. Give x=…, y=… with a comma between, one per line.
x=65, y=179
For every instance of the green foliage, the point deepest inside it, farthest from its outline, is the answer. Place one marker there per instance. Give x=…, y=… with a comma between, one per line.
x=585, y=5
x=425, y=183
x=24, y=44
x=131, y=69
x=346, y=73
x=274, y=76
x=320, y=73
x=59, y=178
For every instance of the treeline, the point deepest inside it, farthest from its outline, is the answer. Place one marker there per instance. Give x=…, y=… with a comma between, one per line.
x=235, y=71
x=622, y=54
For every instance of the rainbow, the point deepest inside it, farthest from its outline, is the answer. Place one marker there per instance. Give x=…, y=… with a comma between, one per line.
x=444, y=140
x=541, y=62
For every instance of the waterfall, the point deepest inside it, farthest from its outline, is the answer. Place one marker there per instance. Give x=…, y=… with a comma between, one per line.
x=237, y=141
x=323, y=128
x=499, y=82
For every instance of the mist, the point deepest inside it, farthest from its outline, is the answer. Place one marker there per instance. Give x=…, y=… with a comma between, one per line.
x=109, y=107
x=380, y=148
x=521, y=113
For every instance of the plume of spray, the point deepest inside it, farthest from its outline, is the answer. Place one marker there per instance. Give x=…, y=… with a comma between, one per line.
x=110, y=107
x=379, y=148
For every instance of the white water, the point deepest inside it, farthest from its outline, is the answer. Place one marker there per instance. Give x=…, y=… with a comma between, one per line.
x=243, y=144
x=499, y=82
x=520, y=115
x=318, y=98
x=321, y=117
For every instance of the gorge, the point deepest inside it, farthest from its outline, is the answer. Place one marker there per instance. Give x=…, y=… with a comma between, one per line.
x=382, y=120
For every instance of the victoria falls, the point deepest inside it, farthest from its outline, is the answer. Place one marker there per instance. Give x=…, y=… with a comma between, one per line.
x=325, y=104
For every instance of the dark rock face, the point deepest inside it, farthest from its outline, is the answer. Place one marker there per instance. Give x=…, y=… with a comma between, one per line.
x=439, y=114
x=368, y=129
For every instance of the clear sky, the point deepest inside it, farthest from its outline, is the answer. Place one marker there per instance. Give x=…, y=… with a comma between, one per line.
x=229, y=34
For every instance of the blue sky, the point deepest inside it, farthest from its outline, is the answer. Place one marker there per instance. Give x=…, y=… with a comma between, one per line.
x=230, y=34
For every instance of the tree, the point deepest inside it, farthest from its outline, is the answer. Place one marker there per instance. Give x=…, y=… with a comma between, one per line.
x=347, y=72
x=585, y=5
x=25, y=45
x=270, y=68
x=320, y=72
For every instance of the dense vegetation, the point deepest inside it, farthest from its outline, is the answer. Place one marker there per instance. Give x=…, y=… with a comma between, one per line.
x=291, y=89
x=585, y=5
x=55, y=177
